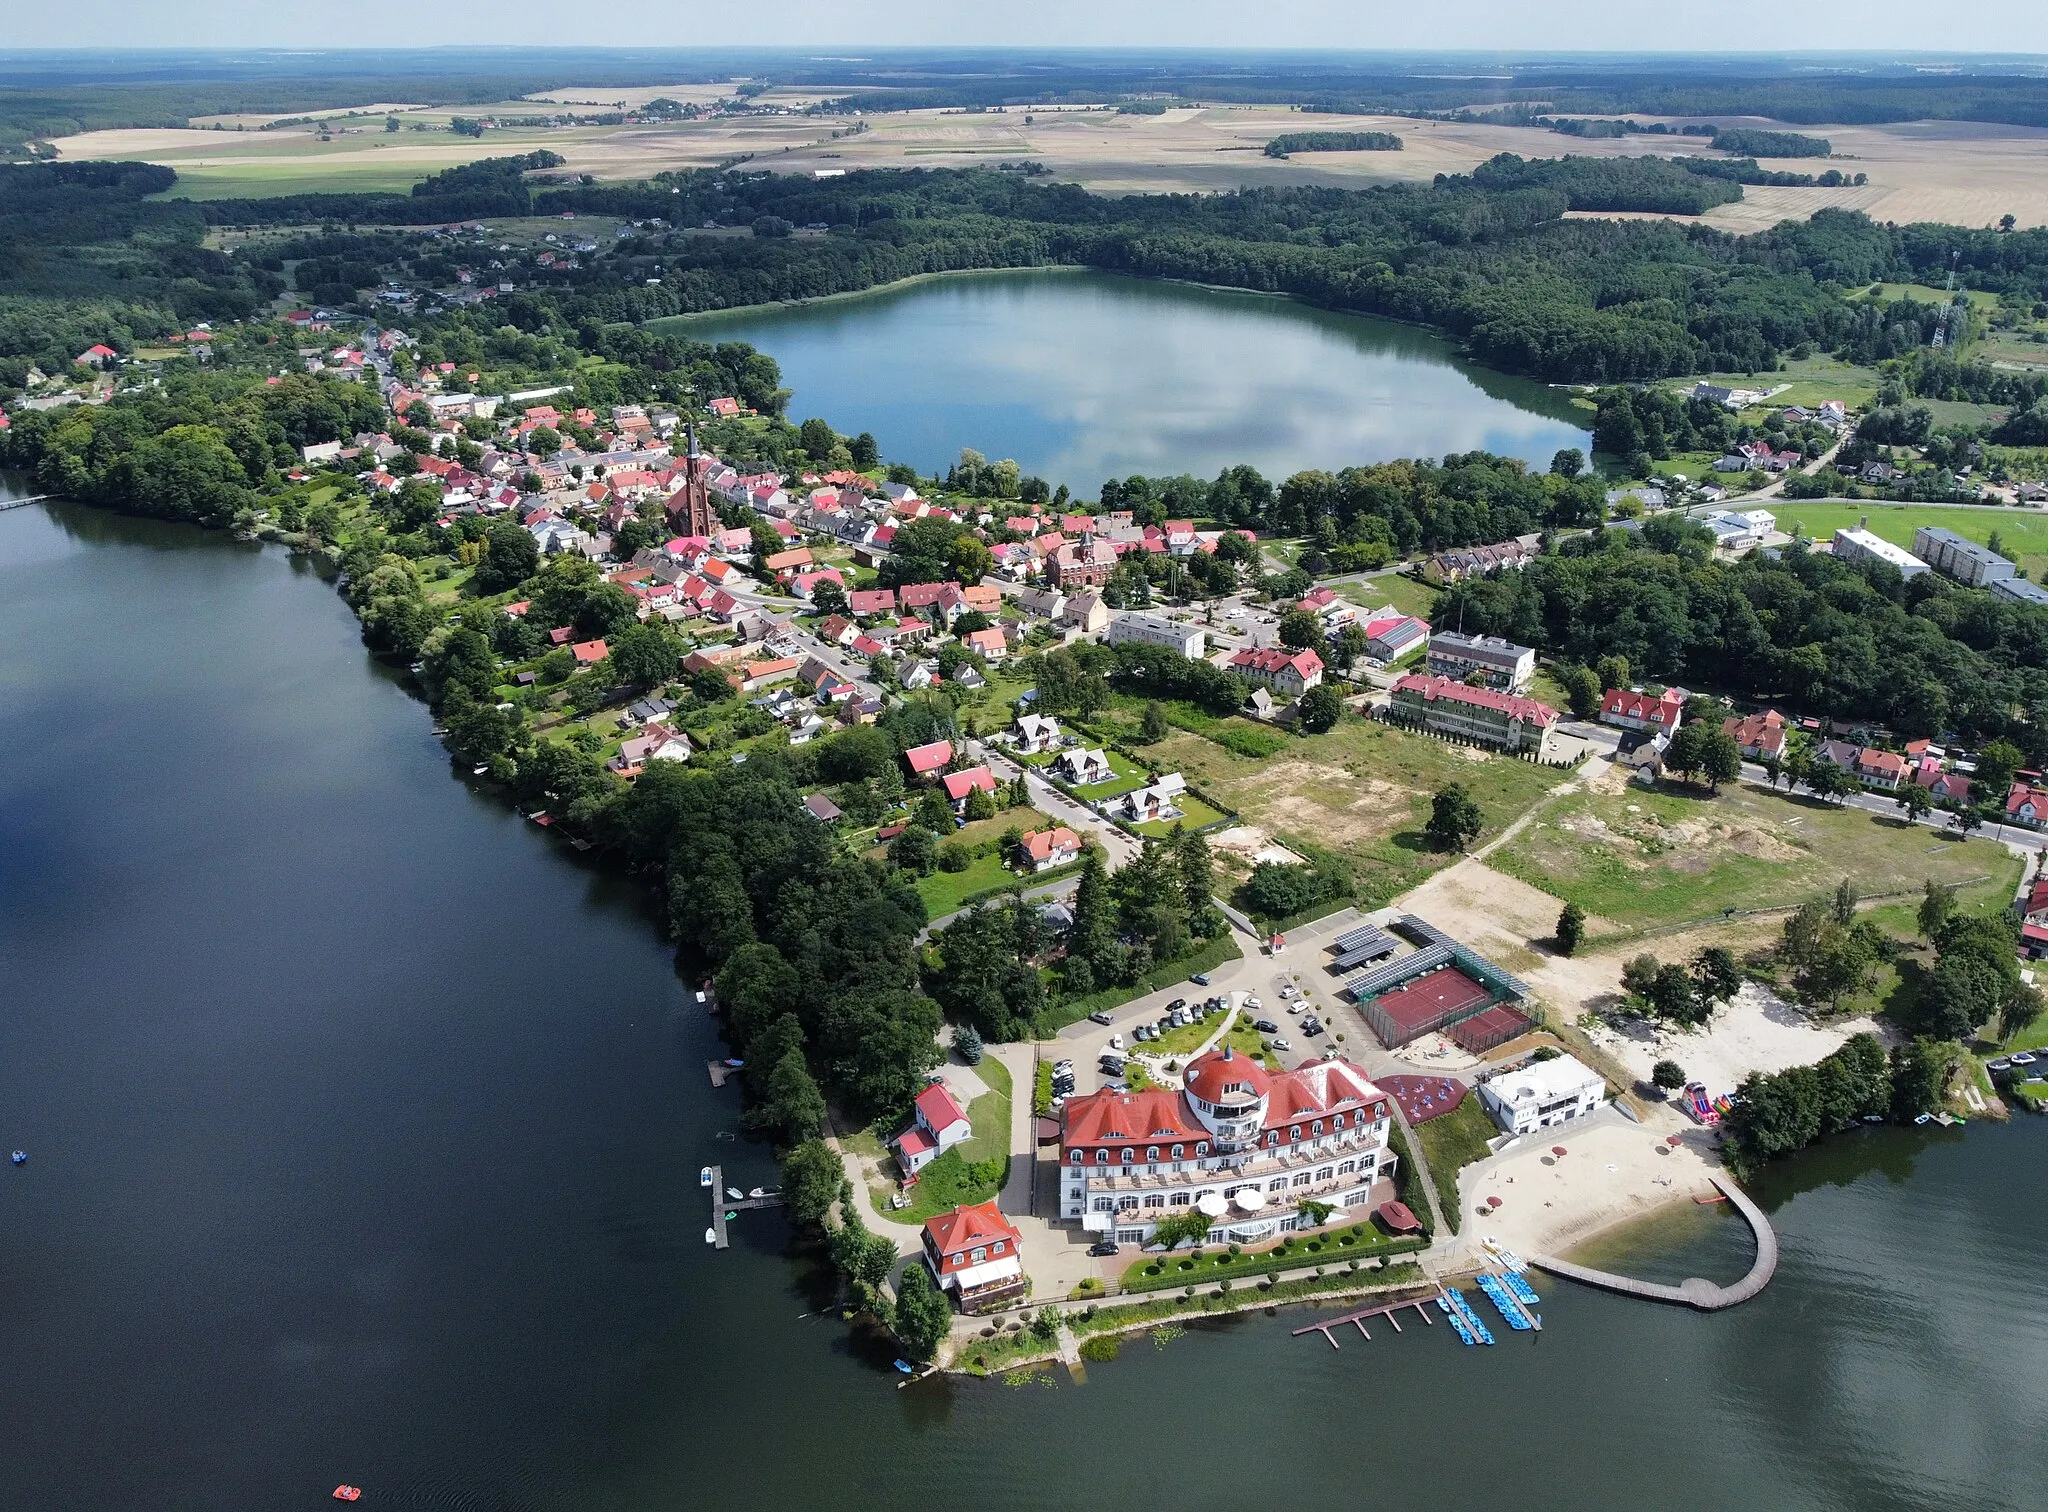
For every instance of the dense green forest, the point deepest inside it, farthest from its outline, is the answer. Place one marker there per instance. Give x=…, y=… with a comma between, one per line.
x=1333, y=141
x=1748, y=141
x=1854, y=641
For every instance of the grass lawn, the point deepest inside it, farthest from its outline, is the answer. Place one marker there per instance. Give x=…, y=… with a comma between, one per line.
x=946, y=892
x=1642, y=858
x=1206, y=1265
x=1194, y=814
x=1451, y=1143
x=1363, y=790
x=2024, y=531
x=1129, y=778
x=1813, y=381
x=1243, y=1038
x=1404, y=593
x=955, y=1176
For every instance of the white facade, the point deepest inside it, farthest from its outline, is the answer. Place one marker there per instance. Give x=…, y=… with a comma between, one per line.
x=1155, y=630
x=1542, y=1094
x=1952, y=556
x=1859, y=545
x=1503, y=663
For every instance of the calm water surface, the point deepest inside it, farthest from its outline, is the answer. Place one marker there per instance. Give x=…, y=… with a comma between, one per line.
x=1087, y=376
x=365, y=1121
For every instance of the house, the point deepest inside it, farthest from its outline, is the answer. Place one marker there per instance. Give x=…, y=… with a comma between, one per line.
x=1641, y=753
x=1839, y=753
x=1151, y=803
x=822, y=809
x=1443, y=707
x=959, y=785
x=1081, y=768
x=785, y=564
x=973, y=1253
x=1633, y=709
x=1945, y=788
x=1543, y=1094
x=1045, y=849
x=1240, y=1144
x=1156, y=630
x=1388, y=637
x=756, y=675
x=1288, y=673
x=1045, y=603
x=1496, y=662
x=2026, y=805
x=869, y=602
x=1760, y=737
x=936, y=1125
x=1475, y=561
x=1085, y=612
x=804, y=584
x=1037, y=733
x=929, y=760
x=1884, y=770
x=837, y=630
x=1086, y=563
x=588, y=653
x=988, y=644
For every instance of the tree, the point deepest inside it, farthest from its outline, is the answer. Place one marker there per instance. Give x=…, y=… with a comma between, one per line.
x=1152, y=727
x=1568, y=463
x=791, y=1108
x=1639, y=975
x=1916, y=802
x=1997, y=764
x=1612, y=671
x=828, y=598
x=1937, y=905
x=980, y=804
x=811, y=1180
x=1352, y=643
x=916, y=851
x=967, y=1042
x=646, y=656
x=1825, y=780
x=1301, y=630
x=1845, y=903
x=1715, y=978
x=1182, y=1228
x=1582, y=691
x=1962, y=993
x=509, y=558
x=923, y=1316
x=1720, y=759
x=1668, y=1075
x=1321, y=708
x=1968, y=819
x=2023, y=1004
x=1918, y=1072
x=1454, y=817
x=1571, y=929
x=1672, y=996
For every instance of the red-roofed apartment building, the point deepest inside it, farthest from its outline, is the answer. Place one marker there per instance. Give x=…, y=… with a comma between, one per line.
x=1444, y=707
x=1288, y=673
x=936, y=1125
x=1241, y=1144
x=973, y=1253
x=1631, y=710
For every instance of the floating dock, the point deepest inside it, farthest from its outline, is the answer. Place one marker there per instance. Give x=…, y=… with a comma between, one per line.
x=1694, y=1291
x=1467, y=1322
x=1510, y=1306
x=724, y=1207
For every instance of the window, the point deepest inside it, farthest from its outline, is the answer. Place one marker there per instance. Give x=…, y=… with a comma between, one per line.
x=1152, y=1152
x=1302, y=1180
x=1155, y=1199
x=1277, y=1184
x=1127, y=1201
x=1316, y=1127
x=1104, y=1205
x=1294, y=1135
x=1177, y=1151
x=1202, y=1148
x=1102, y=1157
x=980, y=1254
x=996, y=1248
x=1077, y=1157
x=1348, y=1165
x=1182, y=1199
x=1127, y=1157
x=1272, y=1139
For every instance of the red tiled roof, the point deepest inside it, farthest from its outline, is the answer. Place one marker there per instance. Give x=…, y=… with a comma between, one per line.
x=926, y=759
x=960, y=784
x=1104, y=1118
x=1512, y=704
x=588, y=652
x=1661, y=708
x=980, y=1223
x=1272, y=660
x=935, y=1105
x=1043, y=845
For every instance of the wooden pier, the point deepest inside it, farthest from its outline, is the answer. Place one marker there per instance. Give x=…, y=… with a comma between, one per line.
x=722, y=1205
x=1388, y=1310
x=1694, y=1291
x=24, y=503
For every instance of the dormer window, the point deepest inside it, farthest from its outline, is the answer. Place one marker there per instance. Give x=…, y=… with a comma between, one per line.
x=1177, y=1151
x=1316, y=1127
x=1077, y=1157
x=1294, y=1135
x=1272, y=1138
x=1202, y=1148
x=1102, y=1157
x=1127, y=1157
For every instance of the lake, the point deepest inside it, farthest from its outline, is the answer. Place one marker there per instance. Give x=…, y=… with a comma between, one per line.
x=1082, y=376
x=364, y=1123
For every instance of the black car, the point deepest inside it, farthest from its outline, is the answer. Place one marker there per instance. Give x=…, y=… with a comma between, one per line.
x=1176, y=1005
x=1106, y=1247
x=1266, y=1026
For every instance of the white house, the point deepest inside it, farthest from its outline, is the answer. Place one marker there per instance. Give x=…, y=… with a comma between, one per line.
x=1155, y=801
x=1541, y=1094
x=1037, y=733
x=936, y=1126
x=1156, y=630
x=1083, y=767
x=975, y=1253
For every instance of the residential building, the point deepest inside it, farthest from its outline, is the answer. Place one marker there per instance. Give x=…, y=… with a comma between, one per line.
x=1443, y=707
x=868, y=602
x=1389, y=637
x=1288, y=673
x=1633, y=709
x=2016, y=590
x=1081, y=768
x=959, y=785
x=1085, y=612
x=927, y=761
x=1970, y=564
x=2026, y=805
x=1156, y=630
x=1501, y=663
x=1038, y=733
x=1883, y=770
x=1641, y=753
x=1474, y=561
x=1760, y=737
x=974, y=1253
x=1542, y=1094
x=936, y=1125
x=1045, y=849
x=1045, y=603
x=988, y=644
x=1948, y=789
x=1859, y=545
x=1839, y=753
x=822, y=809
x=1241, y=1144
x=1153, y=802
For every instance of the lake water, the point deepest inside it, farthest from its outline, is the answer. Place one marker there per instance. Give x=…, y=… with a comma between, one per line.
x=364, y=1123
x=1085, y=376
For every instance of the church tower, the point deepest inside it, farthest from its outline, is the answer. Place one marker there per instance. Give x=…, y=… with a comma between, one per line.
x=689, y=508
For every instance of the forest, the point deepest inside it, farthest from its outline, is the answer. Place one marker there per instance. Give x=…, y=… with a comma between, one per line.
x=1333, y=141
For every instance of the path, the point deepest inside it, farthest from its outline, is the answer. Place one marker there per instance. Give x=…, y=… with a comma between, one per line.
x=1694, y=1291
x=1584, y=771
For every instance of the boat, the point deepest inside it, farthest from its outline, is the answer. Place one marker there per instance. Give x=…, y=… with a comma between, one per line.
x=1873, y=1118
x=734, y=1193
x=906, y=1367
x=348, y=1493
x=1923, y=1118
x=757, y=1192
x=711, y=1236
x=704, y=1177
x=20, y=1157
x=735, y=1065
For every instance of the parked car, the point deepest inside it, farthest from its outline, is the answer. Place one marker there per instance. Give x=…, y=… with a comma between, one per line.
x=1142, y=1032
x=1296, y=1007
x=1105, y=1247
x=1265, y=1026
x=1100, y=1017
x=1116, y=1042
x=1288, y=989
x=1200, y=979
x=1280, y=1042
x=1254, y=1004
x=1176, y=1004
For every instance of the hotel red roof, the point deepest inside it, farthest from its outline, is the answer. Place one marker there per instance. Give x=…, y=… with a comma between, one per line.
x=981, y=1223
x=1661, y=709
x=1514, y=705
x=1103, y=1118
x=1224, y=1074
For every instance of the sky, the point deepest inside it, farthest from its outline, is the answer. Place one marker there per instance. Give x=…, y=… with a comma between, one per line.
x=2007, y=26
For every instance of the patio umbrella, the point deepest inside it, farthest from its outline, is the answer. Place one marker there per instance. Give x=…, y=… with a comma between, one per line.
x=1674, y=1139
x=1493, y=1202
x=1557, y=1149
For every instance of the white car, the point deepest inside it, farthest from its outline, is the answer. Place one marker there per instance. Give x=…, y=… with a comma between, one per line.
x=1288, y=990
x=1253, y=1003
x=1281, y=1042
x=1116, y=1042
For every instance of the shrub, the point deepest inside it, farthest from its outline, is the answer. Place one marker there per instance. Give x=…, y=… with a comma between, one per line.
x=1101, y=1347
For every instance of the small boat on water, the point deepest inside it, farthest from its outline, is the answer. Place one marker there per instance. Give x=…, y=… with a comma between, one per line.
x=20, y=1157
x=757, y=1191
x=1923, y=1118
x=348, y=1493
x=1873, y=1118
x=704, y=1177
x=906, y=1367
x=711, y=1236
x=734, y=1193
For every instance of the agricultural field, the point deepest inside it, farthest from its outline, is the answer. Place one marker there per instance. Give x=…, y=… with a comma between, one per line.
x=1633, y=858
x=2023, y=531
x=1362, y=791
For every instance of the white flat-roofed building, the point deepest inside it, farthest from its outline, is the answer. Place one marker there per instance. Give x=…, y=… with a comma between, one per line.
x=1859, y=545
x=1502, y=663
x=1542, y=1094
x=1952, y=556
x=1156, y=630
